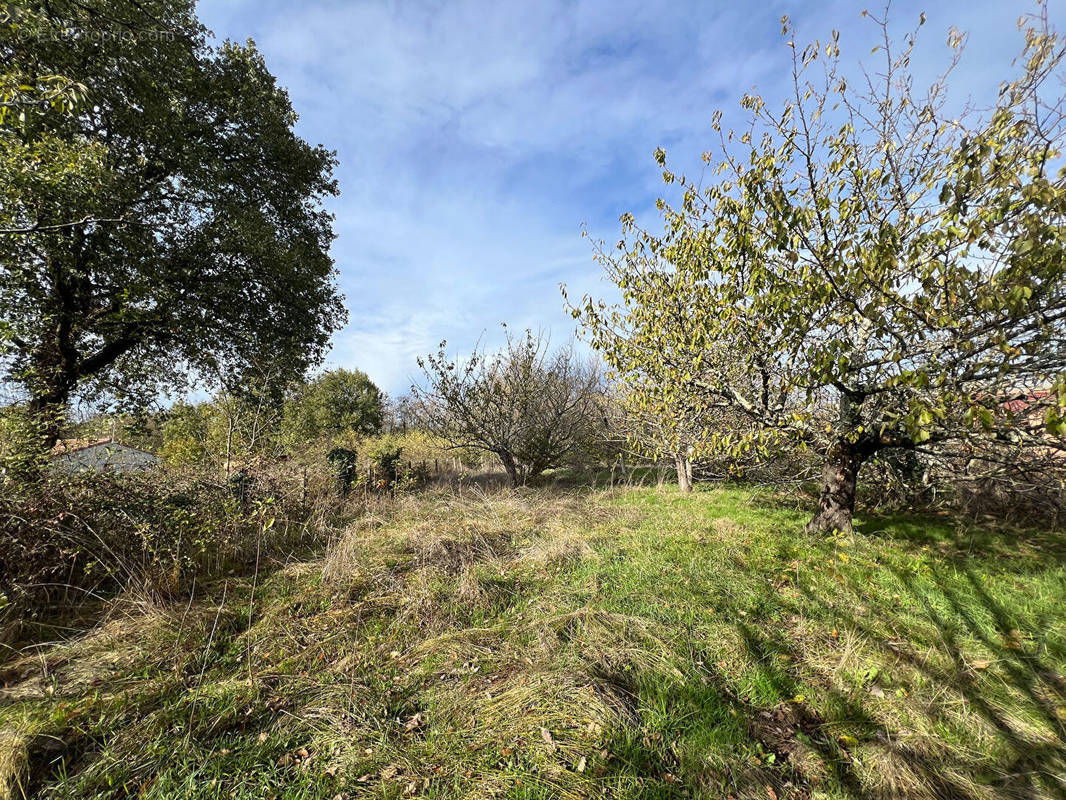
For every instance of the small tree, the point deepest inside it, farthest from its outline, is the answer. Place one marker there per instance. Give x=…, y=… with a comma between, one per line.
x=344, y=465
x=384, y=455
x=866, y=271
x=337, y=402
x=186, y=434
x=529, y=407
x=663, y=426
x=663, y=412
x=237, y=428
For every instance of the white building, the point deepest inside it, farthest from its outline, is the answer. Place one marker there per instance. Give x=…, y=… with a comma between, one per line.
x=101, y=456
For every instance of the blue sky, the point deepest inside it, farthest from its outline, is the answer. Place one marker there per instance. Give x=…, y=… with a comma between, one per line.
x=477, y=138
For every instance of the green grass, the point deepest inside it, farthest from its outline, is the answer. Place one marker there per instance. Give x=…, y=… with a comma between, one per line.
x=624, y=644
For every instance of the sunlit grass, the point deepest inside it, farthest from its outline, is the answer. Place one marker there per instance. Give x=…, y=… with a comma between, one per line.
x=631, y=643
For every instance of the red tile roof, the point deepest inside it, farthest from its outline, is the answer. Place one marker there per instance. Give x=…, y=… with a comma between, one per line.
x=64, y=446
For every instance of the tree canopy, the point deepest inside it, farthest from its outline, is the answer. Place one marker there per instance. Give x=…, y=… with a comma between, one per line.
x=334, y=403
x=158, y=214
x=867, y=269
x=529, y=406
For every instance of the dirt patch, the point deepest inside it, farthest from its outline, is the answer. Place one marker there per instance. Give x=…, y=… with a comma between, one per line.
x=798, y=736
x=778, y=729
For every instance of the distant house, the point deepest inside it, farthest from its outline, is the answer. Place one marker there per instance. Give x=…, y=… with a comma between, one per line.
x=105, y=455
x=1029, y=402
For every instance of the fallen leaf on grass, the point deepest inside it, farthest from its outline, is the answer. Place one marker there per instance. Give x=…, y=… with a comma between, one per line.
x=1013, y=641
x=546, y=735
x=414, y=723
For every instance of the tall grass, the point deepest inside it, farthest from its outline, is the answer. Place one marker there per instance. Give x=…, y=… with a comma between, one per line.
x=627, y=643
x=70, y=541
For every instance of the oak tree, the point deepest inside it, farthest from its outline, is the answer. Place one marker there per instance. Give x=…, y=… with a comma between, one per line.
x=170, y=223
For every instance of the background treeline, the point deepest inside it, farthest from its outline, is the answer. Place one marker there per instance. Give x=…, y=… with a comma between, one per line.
x=270, y=472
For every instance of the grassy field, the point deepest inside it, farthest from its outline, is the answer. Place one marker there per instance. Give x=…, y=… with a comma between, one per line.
x=547, y=644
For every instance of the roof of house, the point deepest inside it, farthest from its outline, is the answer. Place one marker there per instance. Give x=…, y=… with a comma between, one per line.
x=1028, y=399
x=67, y=446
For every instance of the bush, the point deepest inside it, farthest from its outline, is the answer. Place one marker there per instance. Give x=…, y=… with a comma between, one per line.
x=1005, y=481
x=64, y=539
x=21, y=456
x=344, y=465
x=385, y=456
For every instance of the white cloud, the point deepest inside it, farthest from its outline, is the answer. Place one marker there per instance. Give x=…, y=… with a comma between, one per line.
x=475, y=137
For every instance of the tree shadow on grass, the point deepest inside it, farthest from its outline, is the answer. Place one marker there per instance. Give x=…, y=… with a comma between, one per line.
x=1032, y=752
x=809, y=729
x=808, y=744
x=1001, y=546
x=949, y=534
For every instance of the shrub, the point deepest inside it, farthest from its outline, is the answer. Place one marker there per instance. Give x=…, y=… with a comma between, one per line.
x=344, y=466
x=21, y=455
x=64, y=539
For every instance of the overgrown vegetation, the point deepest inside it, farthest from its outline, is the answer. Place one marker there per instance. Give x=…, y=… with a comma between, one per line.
x=70, y=539
x=634, y=643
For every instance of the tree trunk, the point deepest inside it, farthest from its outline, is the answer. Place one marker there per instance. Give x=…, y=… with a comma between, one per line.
x=48, y=410
x=836, y=503
x=684, y=472
x=511, y=466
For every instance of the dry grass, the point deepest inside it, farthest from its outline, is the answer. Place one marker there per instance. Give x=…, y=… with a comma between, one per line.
x=544, y=644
